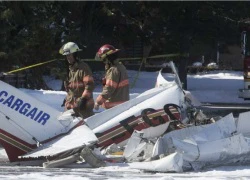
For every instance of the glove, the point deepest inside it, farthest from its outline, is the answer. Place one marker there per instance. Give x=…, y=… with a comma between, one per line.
x=96, y=107
x=75, y=114
x=63, y=104
x=81, y=104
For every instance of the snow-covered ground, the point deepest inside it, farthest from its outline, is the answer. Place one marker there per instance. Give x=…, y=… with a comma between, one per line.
x=213, y=87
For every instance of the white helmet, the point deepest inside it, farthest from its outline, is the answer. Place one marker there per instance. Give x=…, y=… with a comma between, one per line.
x=69, y=48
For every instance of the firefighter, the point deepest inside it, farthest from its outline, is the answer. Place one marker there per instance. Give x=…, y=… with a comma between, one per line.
x=80, y=83
x=115, y=85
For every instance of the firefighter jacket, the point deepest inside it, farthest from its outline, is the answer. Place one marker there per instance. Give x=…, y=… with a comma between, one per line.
x=116, y=88
x=80, y=84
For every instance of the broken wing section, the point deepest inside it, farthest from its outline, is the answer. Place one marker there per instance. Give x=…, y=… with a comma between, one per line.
x=78, y=137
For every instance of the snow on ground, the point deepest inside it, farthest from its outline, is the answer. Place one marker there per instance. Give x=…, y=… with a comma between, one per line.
x=208, y=87
x=217, y=87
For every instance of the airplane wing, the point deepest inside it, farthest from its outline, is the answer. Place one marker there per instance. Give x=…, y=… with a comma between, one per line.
x=78, y=137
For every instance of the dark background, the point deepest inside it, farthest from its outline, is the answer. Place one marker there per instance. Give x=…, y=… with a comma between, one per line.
x=33, y=31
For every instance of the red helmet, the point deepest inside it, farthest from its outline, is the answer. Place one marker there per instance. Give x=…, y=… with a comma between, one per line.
x=106, y=50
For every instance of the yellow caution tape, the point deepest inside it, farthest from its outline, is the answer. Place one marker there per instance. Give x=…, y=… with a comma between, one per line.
x=31, y=66
x=121, y=59
x=150, y=57
x=143, y=61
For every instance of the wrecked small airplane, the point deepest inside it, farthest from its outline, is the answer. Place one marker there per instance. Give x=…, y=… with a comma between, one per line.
x=162, y=130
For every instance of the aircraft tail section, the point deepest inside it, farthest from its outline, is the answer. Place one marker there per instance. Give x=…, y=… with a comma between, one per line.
x=14, y=146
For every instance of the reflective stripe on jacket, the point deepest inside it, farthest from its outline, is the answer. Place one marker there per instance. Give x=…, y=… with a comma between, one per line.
x=80, y=84
x=116, y=89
